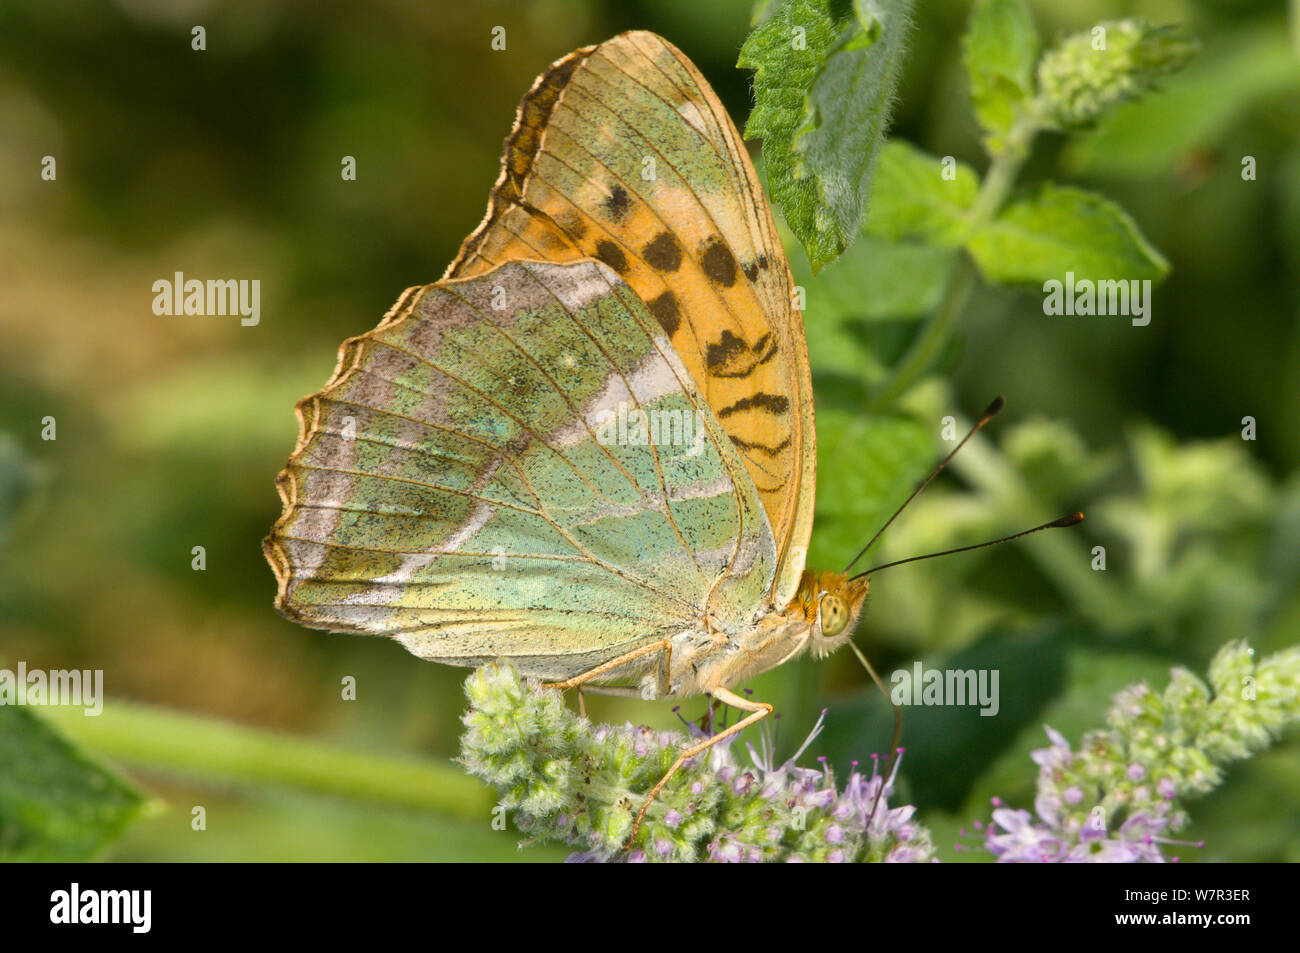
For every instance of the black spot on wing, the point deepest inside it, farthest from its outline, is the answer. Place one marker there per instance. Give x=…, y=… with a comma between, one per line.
x=773, y=402
x=729, y=356
x=718, y=262
x=663, y=253
x=573, y=226
x=611, y=255
x=724, y=351
x=665, y=310
x=751, y=271
x=772, y=450
x=618, y=202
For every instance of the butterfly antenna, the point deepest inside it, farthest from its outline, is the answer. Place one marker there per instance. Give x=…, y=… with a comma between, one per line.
x=898, y=729
x=989, y=413
x=1071, y=520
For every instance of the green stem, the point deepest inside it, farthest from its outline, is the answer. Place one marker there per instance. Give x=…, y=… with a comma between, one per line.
x=169, y=742
x=937, y=330
x=961, y=280
x=996, y=186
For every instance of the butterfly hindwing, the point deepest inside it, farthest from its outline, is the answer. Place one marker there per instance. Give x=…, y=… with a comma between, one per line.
x=464, y=482
x=622, y=153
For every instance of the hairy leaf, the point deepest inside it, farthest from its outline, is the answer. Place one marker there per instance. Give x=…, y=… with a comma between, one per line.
x=823, y=89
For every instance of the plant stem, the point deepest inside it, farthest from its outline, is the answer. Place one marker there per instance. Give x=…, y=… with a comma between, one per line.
x=938, y=328
x=961, y=280
x=155, y=739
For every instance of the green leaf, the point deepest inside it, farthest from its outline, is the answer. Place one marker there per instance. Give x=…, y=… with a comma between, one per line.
x=1064, y=229
x=912, y=199
x=1000, y=47
x=56, y=803
x=867, y=467
x=762, y=12
x=877, y=280
x=823, y=90
x=858, y=311
x=1054, y=461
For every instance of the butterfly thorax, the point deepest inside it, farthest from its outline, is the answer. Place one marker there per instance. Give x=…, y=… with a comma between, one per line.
x=819, y=619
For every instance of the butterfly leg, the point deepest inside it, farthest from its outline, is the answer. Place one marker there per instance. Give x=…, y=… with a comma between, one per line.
x=757, y=712
x=616, y=691
x=663, y=645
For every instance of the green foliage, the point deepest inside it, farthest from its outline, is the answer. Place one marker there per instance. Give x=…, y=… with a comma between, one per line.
x=823, y=91
x=56, y=802
x=875, y=280
x=942, y=204
x=913, y=199
x=821, y=131
x=1246, y=71
x=1059, y=229
x=1063, y=229
x=1088, y=74
x=1000, y=48
x=888, y=452
x=1188, y=532
x=1192, y=498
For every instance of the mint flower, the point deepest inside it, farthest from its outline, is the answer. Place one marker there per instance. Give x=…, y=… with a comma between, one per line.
x=1078, y=82
x=1115, y=798
x=565, y=780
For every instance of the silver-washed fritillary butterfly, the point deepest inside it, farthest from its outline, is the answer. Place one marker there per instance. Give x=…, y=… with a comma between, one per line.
x=589, y=448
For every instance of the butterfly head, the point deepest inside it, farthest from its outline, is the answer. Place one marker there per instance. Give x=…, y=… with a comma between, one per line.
x=832, y=602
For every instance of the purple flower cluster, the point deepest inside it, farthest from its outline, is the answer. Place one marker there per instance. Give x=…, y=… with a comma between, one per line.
x=789, y=813
x=1116, y=798
x=1063, y=830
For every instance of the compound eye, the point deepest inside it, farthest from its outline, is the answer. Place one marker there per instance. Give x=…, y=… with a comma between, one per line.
x=835, y=615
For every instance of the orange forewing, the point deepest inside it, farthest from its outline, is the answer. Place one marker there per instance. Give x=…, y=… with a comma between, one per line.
x=621, y=152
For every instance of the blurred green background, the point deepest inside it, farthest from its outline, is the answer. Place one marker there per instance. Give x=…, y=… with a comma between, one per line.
x=225, y=163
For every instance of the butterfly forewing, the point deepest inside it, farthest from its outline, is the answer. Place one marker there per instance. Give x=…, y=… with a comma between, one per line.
x=459, y=485
x=622, y=153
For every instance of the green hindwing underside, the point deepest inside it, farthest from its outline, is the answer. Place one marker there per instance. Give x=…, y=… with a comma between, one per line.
x=517, y=465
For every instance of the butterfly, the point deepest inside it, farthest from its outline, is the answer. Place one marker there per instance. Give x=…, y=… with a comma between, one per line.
x=589, y=448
